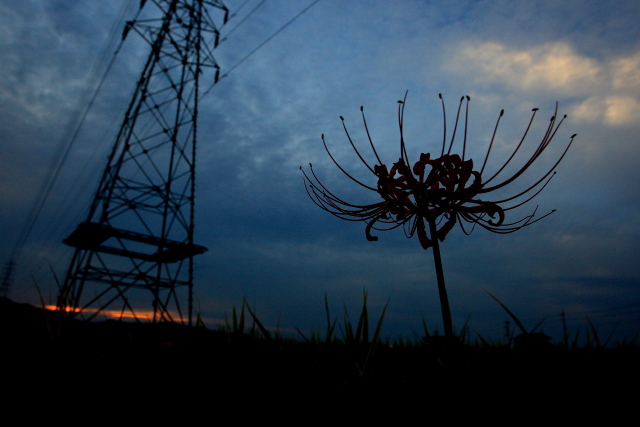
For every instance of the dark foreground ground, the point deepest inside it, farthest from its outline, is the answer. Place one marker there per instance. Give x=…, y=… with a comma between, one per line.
x=65, y=362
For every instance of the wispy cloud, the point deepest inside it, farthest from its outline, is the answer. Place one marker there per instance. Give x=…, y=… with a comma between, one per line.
x=548, y=67
x=605, y=90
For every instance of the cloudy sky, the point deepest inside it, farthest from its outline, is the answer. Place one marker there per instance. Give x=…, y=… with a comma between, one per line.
x=267, y=241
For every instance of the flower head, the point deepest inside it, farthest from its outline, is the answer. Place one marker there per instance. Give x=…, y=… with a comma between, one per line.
x=437, y=193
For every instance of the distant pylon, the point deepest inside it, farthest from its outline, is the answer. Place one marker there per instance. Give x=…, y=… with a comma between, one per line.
x=137, y=241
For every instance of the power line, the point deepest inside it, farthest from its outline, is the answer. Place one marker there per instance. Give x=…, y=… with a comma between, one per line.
x=68, y=140
x=72, y=130
x=243, y=19
x=261, y=45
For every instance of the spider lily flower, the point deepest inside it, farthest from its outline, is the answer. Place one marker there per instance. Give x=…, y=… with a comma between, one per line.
x=437, y=193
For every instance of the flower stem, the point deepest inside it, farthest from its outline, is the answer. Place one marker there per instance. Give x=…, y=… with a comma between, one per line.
x=444, y=300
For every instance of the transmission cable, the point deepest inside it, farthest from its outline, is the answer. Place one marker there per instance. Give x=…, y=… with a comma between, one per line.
x=243, y=19
x=71, y=132
x=261, y=45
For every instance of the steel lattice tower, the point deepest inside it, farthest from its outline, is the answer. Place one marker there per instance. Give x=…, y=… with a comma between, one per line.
x=137, y=241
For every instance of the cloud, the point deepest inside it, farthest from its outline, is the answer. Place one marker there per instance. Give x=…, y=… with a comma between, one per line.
x=626, y=72
x=553, y=66
x=614, y=110
x=622, y=105
x=603, y=91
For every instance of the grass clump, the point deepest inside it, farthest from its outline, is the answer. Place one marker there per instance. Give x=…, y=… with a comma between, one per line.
x=348, y=356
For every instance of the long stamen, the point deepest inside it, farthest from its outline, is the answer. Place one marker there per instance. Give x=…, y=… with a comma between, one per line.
x=525, y=192
x=544, y=144
x=403, y=150
x=344, y=126
x=493, y=137
x=340, y=167
x=366, y=128
x=517, y=148
x=466, y=122
x=455, y=127
x=444, y=115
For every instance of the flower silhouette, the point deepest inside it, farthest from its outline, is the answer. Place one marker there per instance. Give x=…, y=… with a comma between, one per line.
x=438, y=192
x=445, y=190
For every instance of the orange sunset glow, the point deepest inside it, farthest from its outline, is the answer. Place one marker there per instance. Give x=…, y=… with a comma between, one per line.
x=139, y=315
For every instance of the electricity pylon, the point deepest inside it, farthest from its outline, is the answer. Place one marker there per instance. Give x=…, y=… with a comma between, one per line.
x=137, y=241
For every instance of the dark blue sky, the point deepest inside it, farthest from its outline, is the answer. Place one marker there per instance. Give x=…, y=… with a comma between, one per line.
x=267, y=241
